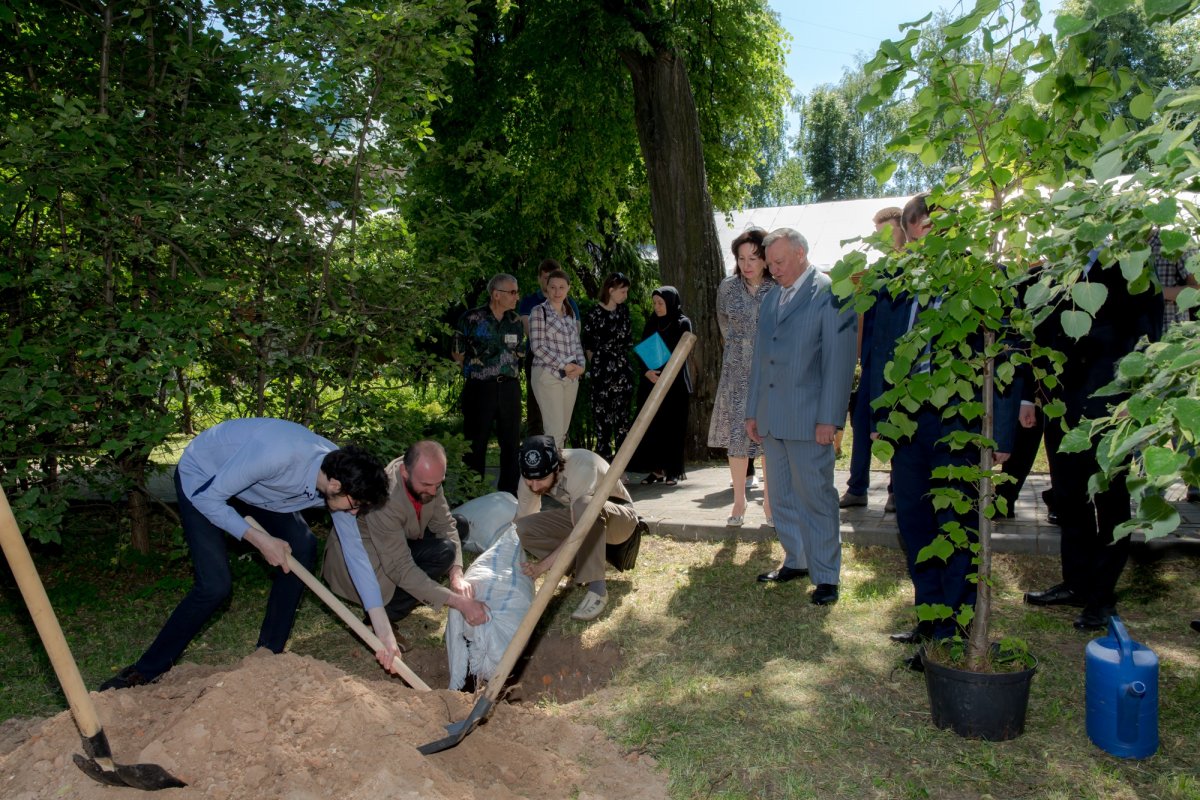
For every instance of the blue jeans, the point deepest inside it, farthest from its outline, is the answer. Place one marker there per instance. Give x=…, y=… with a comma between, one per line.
x=213, y=582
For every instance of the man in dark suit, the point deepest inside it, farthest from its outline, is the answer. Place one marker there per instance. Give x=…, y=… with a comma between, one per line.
x=936, y=582
x=1091, y=561
x=799, y=388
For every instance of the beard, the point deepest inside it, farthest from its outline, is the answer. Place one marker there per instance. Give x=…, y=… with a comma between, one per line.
x=548, y=487
x=423, y=497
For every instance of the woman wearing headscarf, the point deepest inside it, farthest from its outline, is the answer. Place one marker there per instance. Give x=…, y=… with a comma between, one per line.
x=661, y=450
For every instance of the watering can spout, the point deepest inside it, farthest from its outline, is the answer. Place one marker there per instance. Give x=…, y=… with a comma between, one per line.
x=1130, y=708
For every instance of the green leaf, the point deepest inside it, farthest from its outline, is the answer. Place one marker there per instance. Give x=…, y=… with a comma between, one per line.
x=1134, y=365
x=1036, y=295
x=1076, y=440
x=1142, y=106
x=1140, y=408
x=883, y=172
x=938, y=548
x=1162, y=461
x=1107, y=8
x=1108, y=166
x=1070, y=25
x=1076, y=324
x=1188, y=298
x=882, y=450
x=1163, y=212
x=1160, y=10
x=1156, y=517
x=1089, y=296
x=1173, y=241
x=1187, y=412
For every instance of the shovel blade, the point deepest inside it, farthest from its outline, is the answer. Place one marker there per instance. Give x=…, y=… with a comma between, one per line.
x=147, y=777
x=459, y=730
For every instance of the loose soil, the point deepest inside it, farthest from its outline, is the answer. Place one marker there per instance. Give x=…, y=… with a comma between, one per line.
x=293, y=727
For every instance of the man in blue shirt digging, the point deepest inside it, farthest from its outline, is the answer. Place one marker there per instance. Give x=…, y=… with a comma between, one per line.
x=272, y=470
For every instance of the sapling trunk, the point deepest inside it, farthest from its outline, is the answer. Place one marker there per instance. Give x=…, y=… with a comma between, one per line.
x=977, y=643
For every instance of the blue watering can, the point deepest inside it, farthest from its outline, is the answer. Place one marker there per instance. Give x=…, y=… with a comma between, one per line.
x=1122, y=694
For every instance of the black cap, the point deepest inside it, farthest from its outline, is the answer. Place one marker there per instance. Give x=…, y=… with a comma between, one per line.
x=539, y=457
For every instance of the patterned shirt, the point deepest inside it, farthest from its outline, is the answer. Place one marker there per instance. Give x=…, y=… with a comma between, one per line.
x=554, y=339
x=492, y=348
x=1172, y=272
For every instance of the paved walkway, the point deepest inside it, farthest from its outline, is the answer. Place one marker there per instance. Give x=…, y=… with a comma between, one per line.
x=697, y=508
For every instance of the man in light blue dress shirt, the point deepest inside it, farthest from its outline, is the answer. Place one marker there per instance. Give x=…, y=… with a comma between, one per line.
x=270, y=469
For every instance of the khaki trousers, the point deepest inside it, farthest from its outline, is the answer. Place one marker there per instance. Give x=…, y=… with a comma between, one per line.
x=543, y=532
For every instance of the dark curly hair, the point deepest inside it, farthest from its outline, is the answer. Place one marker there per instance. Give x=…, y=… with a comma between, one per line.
x=360, y=474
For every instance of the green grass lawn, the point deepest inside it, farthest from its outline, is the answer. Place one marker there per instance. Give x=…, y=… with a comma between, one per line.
x=739, y=690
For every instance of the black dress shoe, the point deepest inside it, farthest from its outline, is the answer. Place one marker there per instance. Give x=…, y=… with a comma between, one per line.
x=1196, y=625
x=1059, y=595
x=826, y=594
x=1094, y=618
x=782, y=574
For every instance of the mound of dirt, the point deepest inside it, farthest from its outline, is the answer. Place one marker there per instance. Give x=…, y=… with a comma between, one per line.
x=293, y=727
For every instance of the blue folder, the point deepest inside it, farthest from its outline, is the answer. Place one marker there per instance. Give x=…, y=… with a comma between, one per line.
x=653, y=351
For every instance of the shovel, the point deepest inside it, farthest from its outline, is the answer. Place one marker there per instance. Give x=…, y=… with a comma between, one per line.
x=339, y=608
x=483, y=707
x=98, y=764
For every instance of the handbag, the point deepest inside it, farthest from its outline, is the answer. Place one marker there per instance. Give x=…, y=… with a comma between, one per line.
x=623, y=556
x=653, y=351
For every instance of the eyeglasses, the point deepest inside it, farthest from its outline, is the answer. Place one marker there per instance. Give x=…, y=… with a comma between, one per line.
x=508, y=291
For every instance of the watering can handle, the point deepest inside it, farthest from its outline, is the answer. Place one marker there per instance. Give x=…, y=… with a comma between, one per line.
x=1116, y=629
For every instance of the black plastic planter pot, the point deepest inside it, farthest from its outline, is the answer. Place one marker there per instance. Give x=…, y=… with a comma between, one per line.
x=978, y=705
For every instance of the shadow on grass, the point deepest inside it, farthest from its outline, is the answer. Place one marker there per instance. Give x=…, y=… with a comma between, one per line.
x=743, y=690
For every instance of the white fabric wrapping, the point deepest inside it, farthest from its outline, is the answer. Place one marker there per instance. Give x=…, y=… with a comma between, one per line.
x=508, y=593
x=489, y=515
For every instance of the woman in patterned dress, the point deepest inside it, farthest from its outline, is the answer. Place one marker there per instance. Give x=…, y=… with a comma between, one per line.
x=739, y=298
x=607, y=337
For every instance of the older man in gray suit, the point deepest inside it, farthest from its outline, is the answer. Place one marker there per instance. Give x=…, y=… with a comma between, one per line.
x=799, y=389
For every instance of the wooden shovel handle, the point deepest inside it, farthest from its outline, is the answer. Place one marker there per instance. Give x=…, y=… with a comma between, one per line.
x=44, y=618
x=566, y=555
x=339, y=608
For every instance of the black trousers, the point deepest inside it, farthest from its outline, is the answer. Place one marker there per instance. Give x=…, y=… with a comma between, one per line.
x=434, y=556
x=1091, y=561
x=1020, y=461
x=488, y=405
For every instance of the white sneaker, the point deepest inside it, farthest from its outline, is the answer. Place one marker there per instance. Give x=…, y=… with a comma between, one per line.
x=752, y=482
x=590, y=607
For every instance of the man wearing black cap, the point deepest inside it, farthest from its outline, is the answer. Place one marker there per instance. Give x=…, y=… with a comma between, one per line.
x=571, y=477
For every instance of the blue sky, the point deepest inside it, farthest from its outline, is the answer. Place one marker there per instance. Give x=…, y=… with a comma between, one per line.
x=826, y=36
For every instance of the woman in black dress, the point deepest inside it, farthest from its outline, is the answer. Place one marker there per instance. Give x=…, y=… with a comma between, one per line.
x=661, y=450
x=607, y=337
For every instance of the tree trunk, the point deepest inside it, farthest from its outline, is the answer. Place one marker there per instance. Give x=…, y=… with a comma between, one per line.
x=134, y=470
x=689, y=252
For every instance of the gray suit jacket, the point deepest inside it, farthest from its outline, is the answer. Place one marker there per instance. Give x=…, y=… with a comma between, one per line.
x=803, y=362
